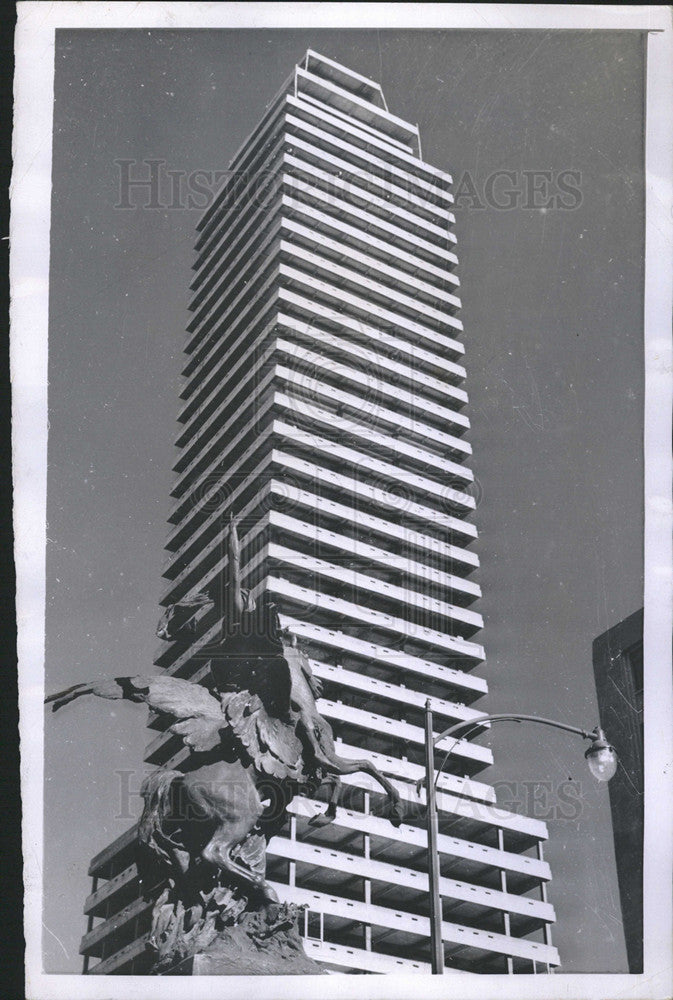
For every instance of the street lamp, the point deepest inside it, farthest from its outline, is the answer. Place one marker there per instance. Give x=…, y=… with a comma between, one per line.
x=600, y=757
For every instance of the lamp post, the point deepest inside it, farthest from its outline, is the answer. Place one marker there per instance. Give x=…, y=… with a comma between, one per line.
x=600, y=757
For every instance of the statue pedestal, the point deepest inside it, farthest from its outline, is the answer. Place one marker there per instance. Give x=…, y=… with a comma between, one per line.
x=263, y=943
x=251, y=965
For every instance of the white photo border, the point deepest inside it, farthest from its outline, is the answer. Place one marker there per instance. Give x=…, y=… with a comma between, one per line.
x=29, y=269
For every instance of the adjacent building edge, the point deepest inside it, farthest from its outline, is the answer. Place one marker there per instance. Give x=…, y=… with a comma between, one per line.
x=618, y=671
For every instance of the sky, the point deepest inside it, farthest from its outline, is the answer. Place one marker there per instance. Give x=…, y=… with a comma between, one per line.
x=552, y=308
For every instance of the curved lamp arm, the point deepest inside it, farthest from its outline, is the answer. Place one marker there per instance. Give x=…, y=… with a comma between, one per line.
x=510, y=717
x=596, y=735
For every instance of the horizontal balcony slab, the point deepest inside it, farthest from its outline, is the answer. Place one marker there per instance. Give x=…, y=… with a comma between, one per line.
x=117, y=858
x=122, y=959
x=336, y=293
x=420, y=671
x=336, y=612
x=380, y=691
x=369, y=721
x=398, y=391
x=345, y=78
x=249, y=148
x=111, y=891
x=392, y=489
x=308, y=165
x=228, y=311
x=340, y=246
x=331, y=356
x=93, y=942
x=343, y=958
x=194, y=493
x=371, y=498
x=385, y=486
x=244, y=188
x=375, y=335
x=333, y=200
x=228, y=436
x=242, y=252
x=246, y=474
x=408, y=844
x=199, y=565
x=347, y=611
x=431, y=186
x=465, y=806
x=412, y=159
x=405, y=773
x=203, y=399
x=304, y=120
x=167, y=750
x=357, y=108
x=247, y=210
x=363, y=426
x=363, y=170
x=377, y=630
x=369, y=556
x=233, y=327
x=470, y=758
x=349, y=272
x=217, y=410
x=244, y=163
x=106, y=863
x=233, y=234
x=402, y=536
x=382, y=242
x=200, y=391
x=412, y=928
x=320, y=572
x=476, y=899
x=315, y=382
x=421, y=390
x=384, y=473
x=319, y=410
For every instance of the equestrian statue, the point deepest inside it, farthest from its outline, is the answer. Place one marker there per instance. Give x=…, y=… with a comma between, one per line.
x=252, y=739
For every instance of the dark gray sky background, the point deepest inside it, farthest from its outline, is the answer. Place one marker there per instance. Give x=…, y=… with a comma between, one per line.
x=553, y=332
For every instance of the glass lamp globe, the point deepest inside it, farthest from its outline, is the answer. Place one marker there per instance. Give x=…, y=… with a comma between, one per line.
x=601, y=758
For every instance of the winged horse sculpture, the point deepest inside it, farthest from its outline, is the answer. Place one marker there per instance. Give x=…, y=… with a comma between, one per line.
x=254, y=739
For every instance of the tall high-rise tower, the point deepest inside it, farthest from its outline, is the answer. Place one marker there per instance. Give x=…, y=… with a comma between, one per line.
x=322, y=404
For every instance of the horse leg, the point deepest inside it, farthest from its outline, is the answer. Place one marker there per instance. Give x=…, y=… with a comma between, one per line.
x=322, y=819
x=218, y=852
x=320, y=737
x=236, y=807
x=338, y=765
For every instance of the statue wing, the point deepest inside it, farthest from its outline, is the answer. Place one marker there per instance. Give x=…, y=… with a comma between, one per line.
x=259, y=712
x=180, y=698
x=199, y=718
x=259, y=715
x=271, y=742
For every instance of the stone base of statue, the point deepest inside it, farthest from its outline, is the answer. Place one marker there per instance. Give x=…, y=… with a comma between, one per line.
x=220, y=936
x=265, y=943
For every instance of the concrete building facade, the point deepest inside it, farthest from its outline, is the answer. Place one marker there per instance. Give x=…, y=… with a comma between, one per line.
x=618, y=671
x=323, y=403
